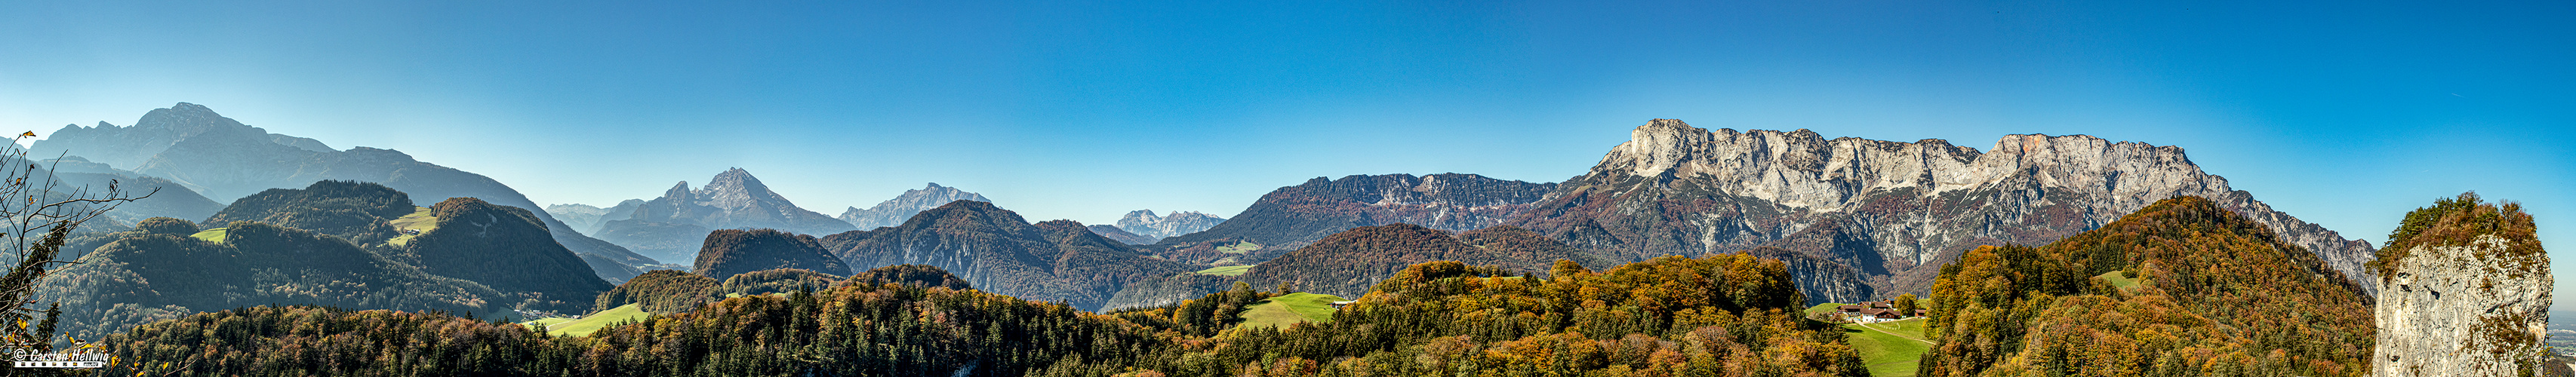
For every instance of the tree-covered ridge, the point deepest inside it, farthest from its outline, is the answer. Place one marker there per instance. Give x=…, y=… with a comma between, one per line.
x=1720, y=315
x=909, y=275
x=1348, y=263
x=2221, y=296
x=662, y=291
x=508, y=249
x=734, y=251
x=353, y=210
x=856, y=330
x=781, y=280
x=2459, y=221
x=160, y=273
x=998, y=251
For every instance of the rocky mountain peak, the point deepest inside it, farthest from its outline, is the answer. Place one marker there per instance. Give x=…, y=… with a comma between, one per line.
x=736, y=188
x=893, y=212
x=1145, y=223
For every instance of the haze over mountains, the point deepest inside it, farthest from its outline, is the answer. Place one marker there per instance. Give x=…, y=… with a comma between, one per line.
x=223, y=159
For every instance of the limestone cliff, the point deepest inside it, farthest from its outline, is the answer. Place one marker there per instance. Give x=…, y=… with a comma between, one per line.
x=1890, y=211
x=2465, y=291
x=732, y=200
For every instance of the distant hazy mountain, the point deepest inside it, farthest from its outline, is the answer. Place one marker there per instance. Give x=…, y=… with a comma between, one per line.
x=734, y=251
x=223, y=159
x=581, y=217
x=997, y=251
x=673, y=226
x=1883, y=214
x=1145, y=223
x=1120, y=235
x=172, y=199
x=893, y=212
x=1288, y=218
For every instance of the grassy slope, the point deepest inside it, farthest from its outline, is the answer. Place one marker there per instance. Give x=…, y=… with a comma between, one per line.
x=1889, y=354
x=215, y=235
x=1290, y=309
x=1225, y=271
x=592, y=323
x=2120, y=280
x=1824, y=307
x=1239, y=248
x=418, y=219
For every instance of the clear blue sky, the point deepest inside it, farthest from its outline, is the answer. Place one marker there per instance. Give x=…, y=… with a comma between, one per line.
x=2345, y=114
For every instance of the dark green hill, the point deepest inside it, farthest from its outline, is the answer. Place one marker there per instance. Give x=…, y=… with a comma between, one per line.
x=661, y=291
x=159, y=272
x=734, y=251
x=507, y=249
x=782, y=280
x=356, y=211
x=2217, y=294
x=995, y=250
x=911, y=275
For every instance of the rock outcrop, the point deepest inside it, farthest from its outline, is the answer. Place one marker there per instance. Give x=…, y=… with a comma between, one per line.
x=732, y=200
x=1291, y=217
x=2464, y=291
x=1889, y=211
x=893, y=212
x=1145, y=223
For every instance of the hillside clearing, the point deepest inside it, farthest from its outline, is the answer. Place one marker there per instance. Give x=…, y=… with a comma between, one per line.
x=1290, y=309
x=591, y=323
x=215, y=235
x=1225, y=270
x=2121, y=280
x=1239, y=248
x=418, y=220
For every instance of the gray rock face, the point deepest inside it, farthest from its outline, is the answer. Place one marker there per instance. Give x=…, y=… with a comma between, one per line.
x=1890, y=211
x=732, y=200
x=2463, y=311
x=893, y=212
x=1145, y=223
x=224, y=159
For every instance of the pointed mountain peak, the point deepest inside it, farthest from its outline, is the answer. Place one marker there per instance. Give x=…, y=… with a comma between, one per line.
x=735, y=180
x=933, y=186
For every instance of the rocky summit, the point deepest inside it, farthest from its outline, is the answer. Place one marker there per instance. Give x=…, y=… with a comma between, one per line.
x=893, y=212
x=732, y=200
x=2463, y=291
x=1143, y=222
x=1889, y=211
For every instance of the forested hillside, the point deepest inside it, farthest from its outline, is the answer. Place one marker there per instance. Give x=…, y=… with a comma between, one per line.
x=161, y=272
x=1717, y=315
x=2218, y=294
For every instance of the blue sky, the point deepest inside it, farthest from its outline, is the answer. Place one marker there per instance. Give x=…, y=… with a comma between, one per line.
x=2345, y=114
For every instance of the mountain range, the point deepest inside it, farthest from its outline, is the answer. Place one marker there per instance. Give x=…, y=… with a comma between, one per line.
x=1886, y=214
x=893, y=212
x=1144, y=223
x=672, y=227
x=223, y=159
x=997, y=251
x=1290, y=217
